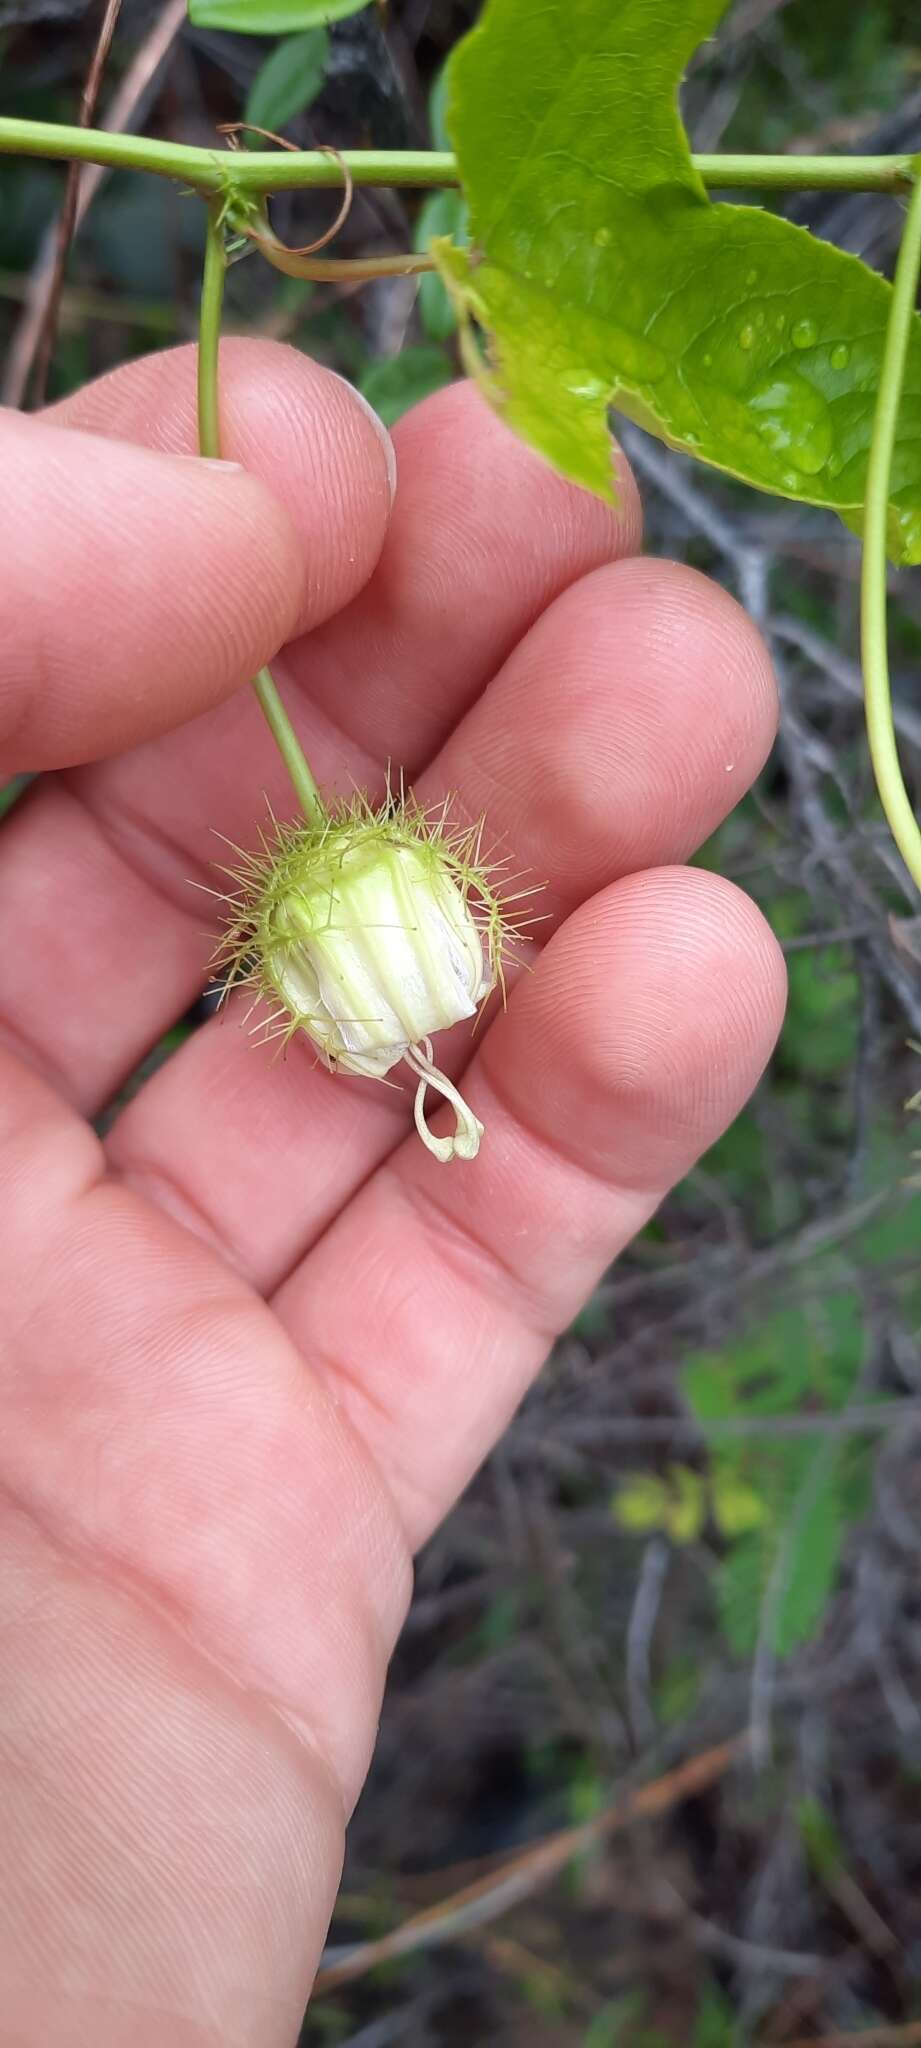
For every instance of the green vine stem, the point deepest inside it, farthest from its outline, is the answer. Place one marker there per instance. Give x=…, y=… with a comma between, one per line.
x=244, y=176
x=873, y=636
x=209, y=442
x=213, y=171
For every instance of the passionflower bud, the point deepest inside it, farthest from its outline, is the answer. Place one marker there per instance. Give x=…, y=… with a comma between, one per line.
x=368, y=932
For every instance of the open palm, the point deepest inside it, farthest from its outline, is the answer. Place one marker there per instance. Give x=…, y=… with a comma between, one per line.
x=255, y=1344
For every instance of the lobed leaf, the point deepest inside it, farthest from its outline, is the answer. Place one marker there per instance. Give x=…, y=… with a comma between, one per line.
x=603, y=275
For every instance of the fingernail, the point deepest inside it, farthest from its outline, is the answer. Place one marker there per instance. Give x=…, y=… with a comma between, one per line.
x=390, y=453
x=203, y=461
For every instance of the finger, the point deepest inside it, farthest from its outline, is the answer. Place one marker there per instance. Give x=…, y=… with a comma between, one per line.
x=639, y=1037
x=313, y=441
x=96, y=959
x=617, y=736
x=135, y=590
x=484, y=534
x=142, y=827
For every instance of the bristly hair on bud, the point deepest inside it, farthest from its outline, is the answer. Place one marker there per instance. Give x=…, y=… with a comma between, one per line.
x=368, y=931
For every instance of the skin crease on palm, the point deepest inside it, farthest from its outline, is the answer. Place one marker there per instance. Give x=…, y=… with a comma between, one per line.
x=255, y=1345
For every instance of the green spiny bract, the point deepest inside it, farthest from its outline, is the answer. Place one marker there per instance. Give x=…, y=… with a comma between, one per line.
x=369, y=930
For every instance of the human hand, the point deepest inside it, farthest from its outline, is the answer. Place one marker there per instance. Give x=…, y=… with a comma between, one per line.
x=255, y=1345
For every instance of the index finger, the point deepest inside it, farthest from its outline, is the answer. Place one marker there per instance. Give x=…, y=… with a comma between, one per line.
x=139, y=588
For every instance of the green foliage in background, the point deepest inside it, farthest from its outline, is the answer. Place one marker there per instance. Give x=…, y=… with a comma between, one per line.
x=290, y=79
x=444, y=214
x=622, y=2023
x=608, y=277
x=780, y=1505
x=398, y=382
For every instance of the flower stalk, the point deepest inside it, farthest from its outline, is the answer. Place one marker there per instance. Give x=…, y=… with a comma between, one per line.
x=209, y=443
x=366, y=931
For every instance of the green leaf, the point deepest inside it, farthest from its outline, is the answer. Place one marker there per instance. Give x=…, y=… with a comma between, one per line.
x=616, y=2022
x=735, y=1504
x=270, y=17
x=715, y=2026
x=821, y=1840
x=445, y=213
x=789, y=1360
x=801, y=1493
x=605, y=276
x=438, y=105
x=10, y=792
x=393, y=386
x=678, y=1689
x=289, y=80
x=809, y=1556
x=641, y=1504
x=676, y=1504
x=687, y=1504
x=779, y=1579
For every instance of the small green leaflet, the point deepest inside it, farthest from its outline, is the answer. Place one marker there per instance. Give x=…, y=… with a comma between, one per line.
x=270, y=17
x=603, y=275
x=289, y=80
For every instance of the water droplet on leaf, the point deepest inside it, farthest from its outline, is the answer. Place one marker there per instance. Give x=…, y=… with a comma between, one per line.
x=751, y=276
x=793, y=420
x=804, y=334
x=746, y=337
x=583, y=385
x=908, y=527
x=840, y=356
x=602, y=238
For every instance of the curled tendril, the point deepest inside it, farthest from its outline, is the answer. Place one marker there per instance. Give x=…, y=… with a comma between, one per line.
x=302, y=262
x=233, y=130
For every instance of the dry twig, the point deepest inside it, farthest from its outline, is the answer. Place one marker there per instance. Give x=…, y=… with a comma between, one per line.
x=518, y=1878
x=67, y=219
x=127, y=106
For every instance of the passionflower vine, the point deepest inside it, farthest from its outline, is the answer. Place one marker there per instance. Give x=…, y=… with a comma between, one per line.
x=369, y=931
